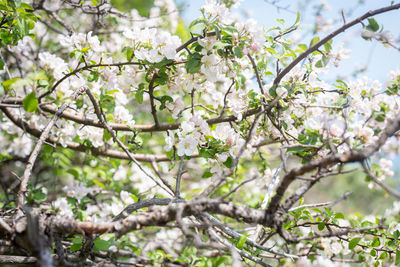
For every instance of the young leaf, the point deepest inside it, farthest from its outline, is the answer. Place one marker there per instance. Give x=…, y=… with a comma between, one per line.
x=193, y=64
x=373, y=25
x=30, y=102
x=353, y=243
x=241, y=241
x=397, y=257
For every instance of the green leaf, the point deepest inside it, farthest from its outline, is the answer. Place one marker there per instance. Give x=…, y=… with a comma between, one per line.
x=99, y=183
x=237, y=51
x=396, y=234
x=207, y=175
x=328, y=46
x=383, y=255
x=196, y=21
x=322, y=62
x=373, y=252
x=101, y=244
x=321, y=226
x=9, y=82
x=74, y=172
x=30, y=102
x=376, y=242
x=129, y=52
x=95, y=2
x=397, y=262
x=205, y=153
x=194, y=63
x=241, y=241
x=314, y=41
x=373, y=25
x=301, y=48
x=139, y=96
x=228, y=162
x=297, y=18
x=296, y=149
x=106, y=136
x=93, y=76
x=38, y=195
x=339, y=215
x=76, y=244
x=164, y=99
x=353, y=243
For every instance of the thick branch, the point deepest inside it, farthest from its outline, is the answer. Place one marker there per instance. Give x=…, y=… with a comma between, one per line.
x=79, y=147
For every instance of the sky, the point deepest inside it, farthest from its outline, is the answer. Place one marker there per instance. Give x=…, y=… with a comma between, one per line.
x=379, y=59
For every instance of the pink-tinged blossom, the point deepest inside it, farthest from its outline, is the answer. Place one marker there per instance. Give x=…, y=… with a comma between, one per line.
x=213, y=8
x=363, y=132
x=222, y=132
x=339, y=53
x=394, y=74
x=201, y=124
x=335, y=127
x=386, y=165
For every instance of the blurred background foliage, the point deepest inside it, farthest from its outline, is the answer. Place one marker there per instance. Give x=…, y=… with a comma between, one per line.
x=142, y=6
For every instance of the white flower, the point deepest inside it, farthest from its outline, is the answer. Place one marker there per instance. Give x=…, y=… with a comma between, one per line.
x=336, y=247
x=54, y=63
x=385, y=163
x=77, y=191
x=209, y=61
x=269, y=174
x=187, y=127
x=386, y=166
x=223, y=132
x=151, y=56
x=223, y=157
x=169, y=140
x=21, y=146
x=122, y=115
x=394, y=74
x=213, y=8
x=202, y=124
x=65, y=209
x=94, y=43
x=126, y=197
x=187, y=146
x=65, y=131
x=120, y=174
x=94, y=134
x=175, y=107
x=281, y=91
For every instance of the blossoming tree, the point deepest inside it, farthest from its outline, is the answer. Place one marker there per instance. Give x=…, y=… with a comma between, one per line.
x=132, y=140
